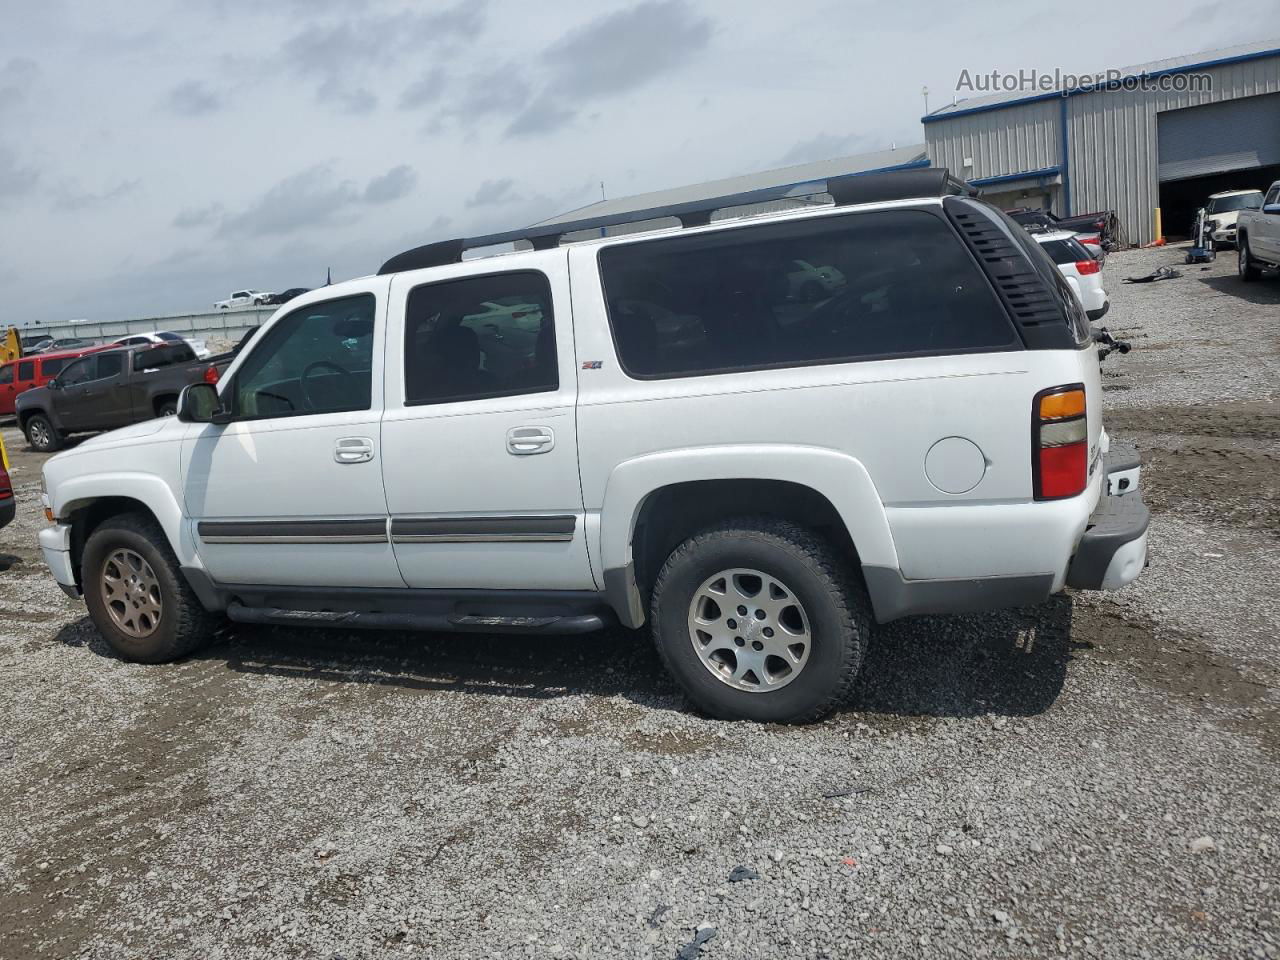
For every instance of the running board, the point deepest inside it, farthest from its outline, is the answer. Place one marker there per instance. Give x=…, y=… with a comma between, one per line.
x=434, y=622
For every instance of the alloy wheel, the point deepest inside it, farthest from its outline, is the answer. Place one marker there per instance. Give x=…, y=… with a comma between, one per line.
x=749, y=630
x=131, y=593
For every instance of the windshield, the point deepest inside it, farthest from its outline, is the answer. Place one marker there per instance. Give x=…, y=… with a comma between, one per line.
x=1241, y=201
x=171, y=337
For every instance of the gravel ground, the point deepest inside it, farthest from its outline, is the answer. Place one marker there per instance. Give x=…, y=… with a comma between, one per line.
x=1096, y=777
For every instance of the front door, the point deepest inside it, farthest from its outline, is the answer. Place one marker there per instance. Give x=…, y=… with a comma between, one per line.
x=480, y=435
x=81, y=394
x=289, y=492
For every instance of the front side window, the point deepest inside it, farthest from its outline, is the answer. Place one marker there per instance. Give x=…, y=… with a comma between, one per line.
x=51, y=368
x=490, y=336
x=79, y=372
x=27, y=369
x=1273, y=197
x=832, y=290
x=318, y=359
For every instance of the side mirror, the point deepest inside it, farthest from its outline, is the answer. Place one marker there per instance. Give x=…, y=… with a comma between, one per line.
x=198, y=403
x=54, y=384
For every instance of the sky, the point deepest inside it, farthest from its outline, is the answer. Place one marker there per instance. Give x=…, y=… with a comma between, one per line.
x=157, y=154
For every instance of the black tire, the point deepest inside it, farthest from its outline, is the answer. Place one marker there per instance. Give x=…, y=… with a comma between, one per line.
x=833, y=596
x=1246, y=265
x=167, y=407
x=41, y=434
x=183, y=625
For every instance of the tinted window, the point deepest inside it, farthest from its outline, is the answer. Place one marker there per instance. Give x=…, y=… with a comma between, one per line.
x=27, y=369
x=171, y=337
x=318, y=359
x=6, y=374
x=166, y=356
x=79, y=372
x=109, y=365
x=814, y=291
x=487, y=336
x=1065, y=251
x=1273, y=196
x=51, y=368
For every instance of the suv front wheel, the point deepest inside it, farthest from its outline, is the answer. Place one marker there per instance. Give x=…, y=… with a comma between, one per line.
x=1245, y=264
x=761, y=620
x=136, y=594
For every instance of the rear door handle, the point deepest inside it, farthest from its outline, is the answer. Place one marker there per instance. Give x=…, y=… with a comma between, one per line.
x=353, y=450
x=523, y=441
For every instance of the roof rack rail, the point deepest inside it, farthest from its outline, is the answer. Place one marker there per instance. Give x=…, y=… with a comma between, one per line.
x=845, y=190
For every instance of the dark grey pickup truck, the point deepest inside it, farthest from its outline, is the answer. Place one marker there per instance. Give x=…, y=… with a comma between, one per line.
x=106, y=390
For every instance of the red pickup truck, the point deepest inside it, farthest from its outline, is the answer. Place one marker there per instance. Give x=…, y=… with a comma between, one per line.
x=19, y=376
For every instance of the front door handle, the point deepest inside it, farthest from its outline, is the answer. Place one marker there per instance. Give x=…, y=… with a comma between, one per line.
x=523, y=441
x=353, y=450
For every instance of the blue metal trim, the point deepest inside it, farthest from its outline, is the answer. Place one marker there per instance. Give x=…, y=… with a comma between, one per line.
x=1097, y=88
x=1066, y=159
x=1008, y=177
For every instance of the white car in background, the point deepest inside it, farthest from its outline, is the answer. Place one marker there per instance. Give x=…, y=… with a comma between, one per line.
x=1076, y=263
x=243, y=298
x=160, y=337
x=1224, y=209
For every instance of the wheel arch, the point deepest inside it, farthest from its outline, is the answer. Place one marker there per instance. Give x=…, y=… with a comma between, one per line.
x=689, y=489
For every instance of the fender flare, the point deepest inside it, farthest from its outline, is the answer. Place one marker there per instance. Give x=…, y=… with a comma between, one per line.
x=149, y=490
x=842, y=479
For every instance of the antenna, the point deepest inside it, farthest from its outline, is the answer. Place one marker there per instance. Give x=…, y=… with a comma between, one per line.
x=602, y=196
x=924, y=92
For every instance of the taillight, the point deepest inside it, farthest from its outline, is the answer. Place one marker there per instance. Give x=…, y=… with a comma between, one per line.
x=1089, y=266
x=1059, y=443
x=211, y=374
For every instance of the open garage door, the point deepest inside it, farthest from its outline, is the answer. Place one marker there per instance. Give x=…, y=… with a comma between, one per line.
x=1215, y=138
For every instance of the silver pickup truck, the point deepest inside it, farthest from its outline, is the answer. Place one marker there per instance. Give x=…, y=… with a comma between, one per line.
x=1258, y=236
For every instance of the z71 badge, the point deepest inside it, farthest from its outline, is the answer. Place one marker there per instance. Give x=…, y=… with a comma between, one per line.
x=592, y=364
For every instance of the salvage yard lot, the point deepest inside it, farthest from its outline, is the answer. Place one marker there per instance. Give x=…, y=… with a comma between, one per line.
x=1094, y=777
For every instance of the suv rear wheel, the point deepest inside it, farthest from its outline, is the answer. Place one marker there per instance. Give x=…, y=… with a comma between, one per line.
x=760, y=620
x=136, y=594
x=1245, y=264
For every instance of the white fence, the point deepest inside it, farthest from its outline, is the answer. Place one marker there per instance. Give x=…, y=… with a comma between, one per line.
x=220, y=324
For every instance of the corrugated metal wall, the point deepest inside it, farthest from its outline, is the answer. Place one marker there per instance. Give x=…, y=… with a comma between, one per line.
x=1016, y=139
x=1112, y=137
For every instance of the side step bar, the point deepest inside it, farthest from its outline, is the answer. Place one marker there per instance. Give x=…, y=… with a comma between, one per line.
x=435, y=622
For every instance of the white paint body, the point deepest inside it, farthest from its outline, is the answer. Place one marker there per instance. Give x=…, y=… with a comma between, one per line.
x=1262, y=227
x=858, y=433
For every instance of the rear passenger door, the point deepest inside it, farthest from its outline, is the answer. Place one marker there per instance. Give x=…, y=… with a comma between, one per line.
x=480, y=459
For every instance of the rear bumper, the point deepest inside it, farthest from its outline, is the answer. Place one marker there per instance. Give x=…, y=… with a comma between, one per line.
x=1100, y=312
x=1113, y=550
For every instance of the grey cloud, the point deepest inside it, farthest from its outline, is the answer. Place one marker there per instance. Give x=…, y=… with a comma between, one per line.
x=396, y=183
x=15, y=179
x=340, y=54
x=624, y=50
x=70, y=196
x=423, y=91
x=493, y=191
x=544, y=115
x=499, y=91
x=192, y=98
x=315, y=197
x=198, y=217
x=16, y=78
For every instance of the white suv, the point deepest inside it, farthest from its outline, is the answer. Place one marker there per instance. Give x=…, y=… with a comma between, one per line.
x=655, y=428
x=1083, y=273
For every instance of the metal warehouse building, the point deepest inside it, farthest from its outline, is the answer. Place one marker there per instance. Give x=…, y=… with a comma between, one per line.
x=1163, y=135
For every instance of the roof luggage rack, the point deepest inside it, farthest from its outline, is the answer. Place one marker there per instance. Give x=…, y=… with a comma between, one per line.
x=845, y=190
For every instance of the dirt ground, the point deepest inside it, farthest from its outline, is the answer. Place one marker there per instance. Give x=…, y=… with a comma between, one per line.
x=1095, y=777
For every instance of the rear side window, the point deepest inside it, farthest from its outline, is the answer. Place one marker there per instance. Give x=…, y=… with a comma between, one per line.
x=109, y=365
x=854, y=287
x=54, y=366
x=489, y=336
x=6, y=374
x=27, y=369
x=1066, y=251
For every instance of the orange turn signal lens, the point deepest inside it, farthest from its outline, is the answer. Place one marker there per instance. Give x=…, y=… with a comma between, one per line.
x=48, y=514
x=1058, y=406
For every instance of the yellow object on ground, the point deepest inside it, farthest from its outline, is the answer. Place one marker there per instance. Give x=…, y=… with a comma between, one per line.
x=4, y=457
x=12, y=348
